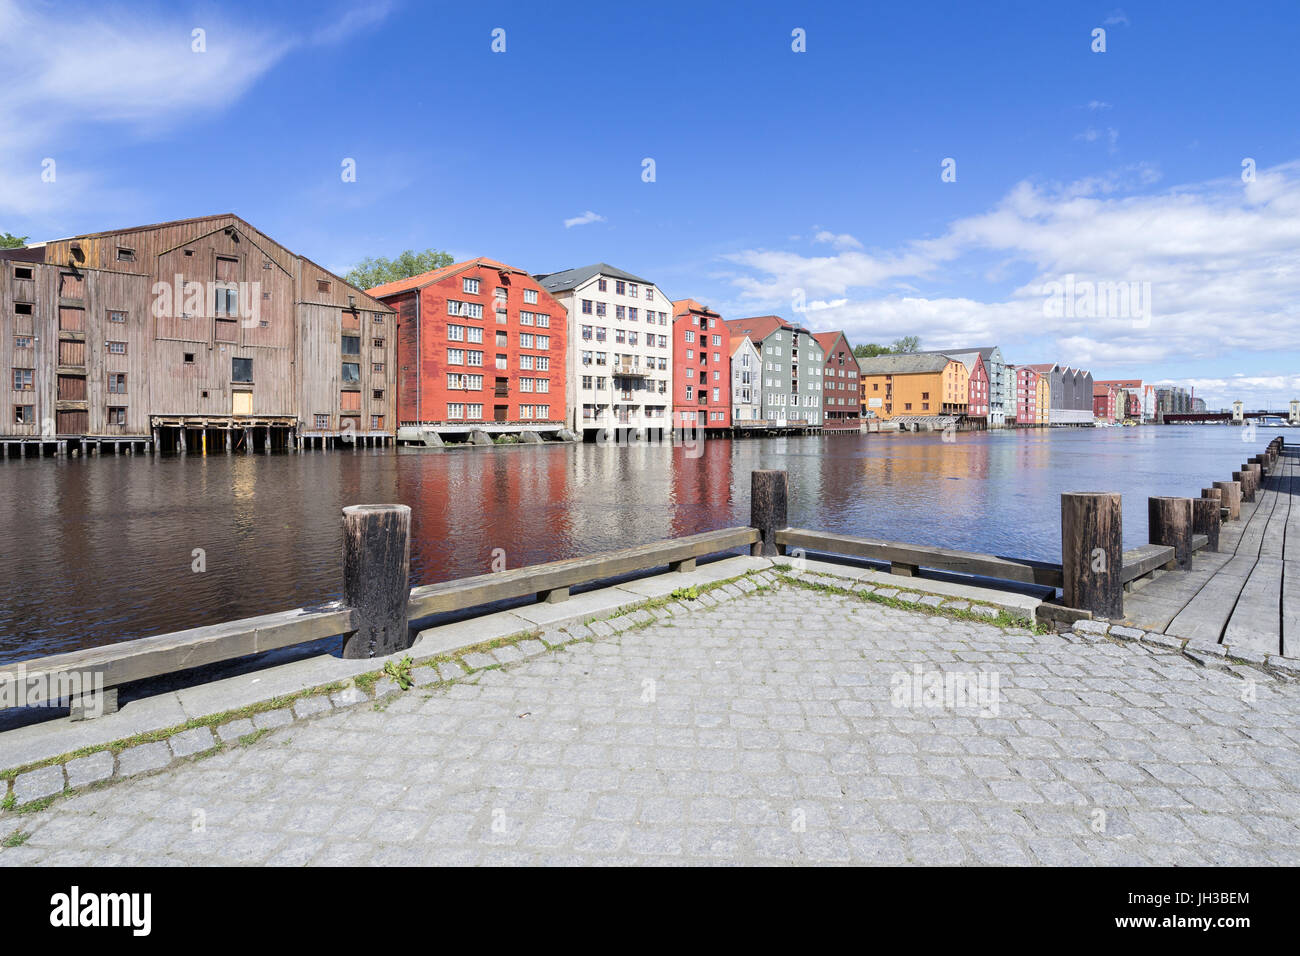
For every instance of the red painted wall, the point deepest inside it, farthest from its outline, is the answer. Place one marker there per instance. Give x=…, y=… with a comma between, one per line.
x=427, y=399
x=688, y=372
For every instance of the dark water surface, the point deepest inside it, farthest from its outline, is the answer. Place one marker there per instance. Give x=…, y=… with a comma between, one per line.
x=101, y=549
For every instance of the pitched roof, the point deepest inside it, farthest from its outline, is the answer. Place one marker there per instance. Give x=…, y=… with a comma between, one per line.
x=906, y=363
x=738, y=340
x=437, y=275
x=685, y=306
x=1040, y=369
x=572, y=278
x=758, y=327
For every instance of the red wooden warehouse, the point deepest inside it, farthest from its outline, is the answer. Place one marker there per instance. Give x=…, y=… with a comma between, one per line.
x=479, y=343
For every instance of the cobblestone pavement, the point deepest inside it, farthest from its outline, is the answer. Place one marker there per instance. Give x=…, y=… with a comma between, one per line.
x=777, y=728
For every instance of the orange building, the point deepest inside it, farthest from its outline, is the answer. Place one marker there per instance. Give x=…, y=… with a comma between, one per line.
x=913, y=384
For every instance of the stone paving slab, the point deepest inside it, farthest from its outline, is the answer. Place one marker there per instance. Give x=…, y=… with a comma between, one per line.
x=784, y=727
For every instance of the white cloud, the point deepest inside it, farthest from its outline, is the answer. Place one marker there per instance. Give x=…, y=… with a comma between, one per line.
x=73, y=70
x=1219, y=257
x=841, y=241
x=582, y=220
x=1096, y=105
x=1116, y=18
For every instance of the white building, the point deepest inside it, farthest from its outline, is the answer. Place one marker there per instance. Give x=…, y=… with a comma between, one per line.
x=746, y=382
x=620, y=365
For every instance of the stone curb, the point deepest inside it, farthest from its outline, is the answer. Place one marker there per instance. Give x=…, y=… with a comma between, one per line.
x=1205, y=653
x=73, y=773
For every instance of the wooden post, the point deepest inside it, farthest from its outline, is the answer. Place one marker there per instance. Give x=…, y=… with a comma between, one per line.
x=1262, y=461
x=1242, y=480
x=1205, y=520
x=1092, y=553
x=376, y=578
x=768, y=496
x=1169, y=521
x=1230, y=495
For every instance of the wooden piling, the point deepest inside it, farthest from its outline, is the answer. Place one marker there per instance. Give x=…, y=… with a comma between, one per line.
x=1230, y=495
x=1205, y=520
x=1242, y=480
x=1169, y=522
x=768, y=497
x=1092, y=553
x=376, y=578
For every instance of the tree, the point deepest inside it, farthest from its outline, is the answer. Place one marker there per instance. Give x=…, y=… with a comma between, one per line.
x=369, y=273
x=908, y=343
x=871, y=350
x=9, y=241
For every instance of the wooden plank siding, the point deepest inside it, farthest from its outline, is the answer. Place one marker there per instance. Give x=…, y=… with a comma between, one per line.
x=179, y=342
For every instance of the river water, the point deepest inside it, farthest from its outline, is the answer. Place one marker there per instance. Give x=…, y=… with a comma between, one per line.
x=104, y=549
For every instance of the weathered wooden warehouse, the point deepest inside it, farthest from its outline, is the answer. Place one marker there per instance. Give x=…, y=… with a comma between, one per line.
x=196, y=335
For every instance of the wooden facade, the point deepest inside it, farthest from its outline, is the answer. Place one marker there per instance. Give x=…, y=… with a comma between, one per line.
x=204, y=323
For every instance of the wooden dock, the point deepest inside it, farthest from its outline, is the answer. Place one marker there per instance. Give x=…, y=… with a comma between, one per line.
x=1248, y=593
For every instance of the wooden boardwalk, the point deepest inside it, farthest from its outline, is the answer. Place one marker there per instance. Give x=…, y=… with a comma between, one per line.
x=1248, y=593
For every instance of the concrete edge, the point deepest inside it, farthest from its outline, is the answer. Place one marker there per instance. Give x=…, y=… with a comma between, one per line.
x=1205, y=653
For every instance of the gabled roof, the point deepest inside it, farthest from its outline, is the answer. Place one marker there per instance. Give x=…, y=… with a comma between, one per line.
x=827, y=341
x=907, y=363
x=204, y=219
x=1041, y=369
x=984, y=351
x=437, y=275
x=759, y=327
x=686, y=306
x=737, y=341
x=572, y=278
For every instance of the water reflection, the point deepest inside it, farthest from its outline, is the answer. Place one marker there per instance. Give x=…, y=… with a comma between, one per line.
x=102, y=549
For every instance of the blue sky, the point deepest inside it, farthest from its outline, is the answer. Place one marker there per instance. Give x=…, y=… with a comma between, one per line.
x=780, y=177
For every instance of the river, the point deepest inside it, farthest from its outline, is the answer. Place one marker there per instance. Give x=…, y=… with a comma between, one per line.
x=98, y=550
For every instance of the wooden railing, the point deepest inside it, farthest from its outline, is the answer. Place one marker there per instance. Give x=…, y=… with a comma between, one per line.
x=377, y=607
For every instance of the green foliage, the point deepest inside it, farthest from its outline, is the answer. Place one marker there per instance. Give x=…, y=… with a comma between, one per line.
x=17, y=838
x=870, y=350
x=908, y=343
x=686, y=594
x=400, y=672
x=9, y=241
x=369, y=273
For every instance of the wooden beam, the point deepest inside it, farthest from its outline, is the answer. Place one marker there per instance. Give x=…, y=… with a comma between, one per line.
x=922, y=556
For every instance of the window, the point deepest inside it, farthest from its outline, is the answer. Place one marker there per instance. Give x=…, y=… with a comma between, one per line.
x=241, y=370
x=468, y=310
x=351, y=373
x=620, y=312
x=125, y=255
x=600, y=308
x=24, y=414
x=469, y=286
x=455, y=410
x=116, y=348
x=455, y=356
x=474, y=357
x=600, y=285
x=499, y=294
x=474, y=334
x=543, y=363
x=376, y=423
x=632, y=313
x=525, y=340
x=543, y=341
x=544, y=411
x=117, y=383
x=619, y=286
x=22, y=272
x=116, y=415
x=377, y=394
x=23, y=378
x=474, y=410
x=322, y=285
x=526, y=361
x=22, y=341
x=351, y=345
x=377, y=368
x=378, y=343
x=586, y=381
x=189, y=358
x=586, y=307
x=530, y=296
x=456, y=333
x=525, y=318
x=501, y=361
x=501, y=318
x=115, y=315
